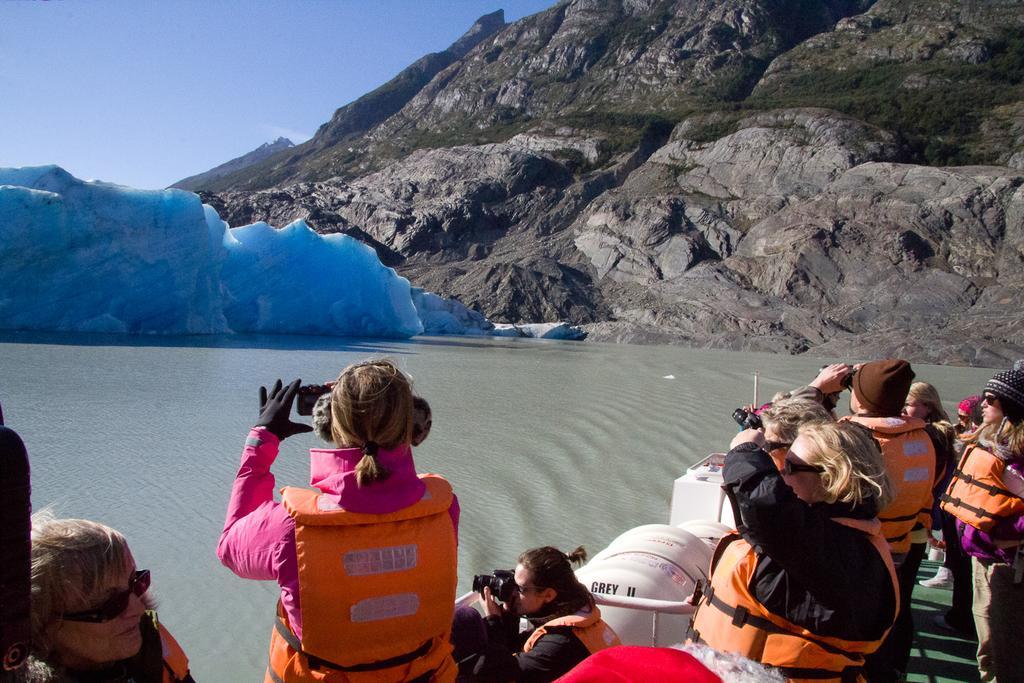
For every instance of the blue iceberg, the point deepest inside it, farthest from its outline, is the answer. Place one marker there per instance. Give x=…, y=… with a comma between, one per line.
x=95, y=257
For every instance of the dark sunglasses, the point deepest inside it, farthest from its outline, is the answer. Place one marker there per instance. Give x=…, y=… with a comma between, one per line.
x=776, y=445
x=990, y=399
x=117, y=604
x=789, y=468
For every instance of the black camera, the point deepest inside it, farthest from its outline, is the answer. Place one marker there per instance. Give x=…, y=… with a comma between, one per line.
x=847, y=381
x=307, y=396
x=747, y=420
x=502, y=584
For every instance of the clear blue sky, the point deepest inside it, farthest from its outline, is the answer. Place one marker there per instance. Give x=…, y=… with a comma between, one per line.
x=146, y=92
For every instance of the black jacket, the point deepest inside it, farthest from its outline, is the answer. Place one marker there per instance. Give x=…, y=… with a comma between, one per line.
x=811, y=570
x=554, y=653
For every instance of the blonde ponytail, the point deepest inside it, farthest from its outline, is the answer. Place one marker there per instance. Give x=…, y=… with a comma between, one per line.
x=371, y=409
x=369, y=469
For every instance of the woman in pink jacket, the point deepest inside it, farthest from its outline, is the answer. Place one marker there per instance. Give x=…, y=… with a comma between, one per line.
x=306, y=542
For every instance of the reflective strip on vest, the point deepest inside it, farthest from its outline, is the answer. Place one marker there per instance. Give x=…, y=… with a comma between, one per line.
x=910, y=462
x=914, y=448
x=385, y=607
x=379, y=560
x=374, y=587
x=917, y=474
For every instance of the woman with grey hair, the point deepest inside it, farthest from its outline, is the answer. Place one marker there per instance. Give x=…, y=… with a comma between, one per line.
x=91, y=617
x=782, y=420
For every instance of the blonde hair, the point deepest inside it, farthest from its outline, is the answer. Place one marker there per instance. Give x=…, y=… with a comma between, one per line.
x=852, y=460
x=1011, y=438
x=72, y=559
x=937, y=415
x=982, y=433
x=371, y=408
x=1005, y=438
x=786, y=415
x=929, y=396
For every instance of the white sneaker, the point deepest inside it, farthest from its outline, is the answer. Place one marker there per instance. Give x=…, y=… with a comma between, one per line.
x=942, y=579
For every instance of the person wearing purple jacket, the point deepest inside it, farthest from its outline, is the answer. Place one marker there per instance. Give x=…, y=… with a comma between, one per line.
x=370, y=472
x=985, y=496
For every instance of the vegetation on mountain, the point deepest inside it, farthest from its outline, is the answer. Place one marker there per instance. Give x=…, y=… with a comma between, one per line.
x=936, y=107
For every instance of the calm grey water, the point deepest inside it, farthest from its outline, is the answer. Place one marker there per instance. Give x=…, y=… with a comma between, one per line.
x=555, y=443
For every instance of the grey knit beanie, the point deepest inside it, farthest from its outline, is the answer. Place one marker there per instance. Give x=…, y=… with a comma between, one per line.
x=1008, y=387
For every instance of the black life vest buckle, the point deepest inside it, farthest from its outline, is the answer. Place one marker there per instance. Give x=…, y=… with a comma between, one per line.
x=698, y=592
x=740, y=614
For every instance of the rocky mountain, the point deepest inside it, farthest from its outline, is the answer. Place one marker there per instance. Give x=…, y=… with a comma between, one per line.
x=204, y=179
x=836, y=177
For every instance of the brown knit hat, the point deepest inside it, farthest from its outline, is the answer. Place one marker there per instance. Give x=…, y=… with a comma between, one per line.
x=881, y=386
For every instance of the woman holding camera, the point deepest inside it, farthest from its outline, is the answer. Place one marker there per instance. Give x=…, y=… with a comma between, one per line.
x=91, y=619
x=807, y=584
x=567, y=623
x=367, y=562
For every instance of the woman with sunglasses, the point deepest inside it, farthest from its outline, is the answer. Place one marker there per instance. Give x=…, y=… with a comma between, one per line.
x=91, y=618
x=806, y=584
x=567, y=624
x=985, y=496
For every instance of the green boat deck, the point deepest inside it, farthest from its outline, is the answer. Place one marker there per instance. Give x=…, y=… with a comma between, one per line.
x=937, y=655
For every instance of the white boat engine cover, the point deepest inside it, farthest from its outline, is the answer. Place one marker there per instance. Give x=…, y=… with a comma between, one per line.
x=654, y=561
x=707, y=530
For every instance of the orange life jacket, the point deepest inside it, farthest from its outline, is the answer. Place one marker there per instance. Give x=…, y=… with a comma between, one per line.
x=730, y=618
x=910, y=463
x=592, y=631
x=942, y=444
x=977, y=494
x=377, y=592
x=175, y=661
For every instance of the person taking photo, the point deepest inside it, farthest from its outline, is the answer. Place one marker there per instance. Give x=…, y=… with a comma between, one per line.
x=566, y=623
x=366, y=562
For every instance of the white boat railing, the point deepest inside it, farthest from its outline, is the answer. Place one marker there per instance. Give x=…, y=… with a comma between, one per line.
x=466, y=600
x=655, y=607
x=647, y=604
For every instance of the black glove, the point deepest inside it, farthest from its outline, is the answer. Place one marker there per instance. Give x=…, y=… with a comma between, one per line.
x=276, y=408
